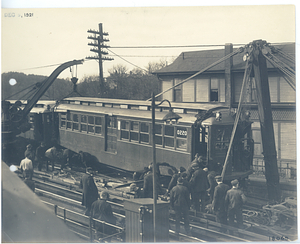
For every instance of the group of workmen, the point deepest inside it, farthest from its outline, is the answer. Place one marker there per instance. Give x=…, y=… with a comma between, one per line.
x=96, y=204
x=198, y=188
x=40, y=158
x=195, y=185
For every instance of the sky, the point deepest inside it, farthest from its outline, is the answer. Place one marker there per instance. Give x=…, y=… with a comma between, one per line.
x=57, y=32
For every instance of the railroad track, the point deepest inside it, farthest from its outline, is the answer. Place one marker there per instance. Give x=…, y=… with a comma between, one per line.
x=204, y=227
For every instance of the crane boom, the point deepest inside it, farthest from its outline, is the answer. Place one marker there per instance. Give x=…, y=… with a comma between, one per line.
x=47, y=83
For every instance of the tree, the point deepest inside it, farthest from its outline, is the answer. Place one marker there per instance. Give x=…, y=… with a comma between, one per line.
x=154, y=66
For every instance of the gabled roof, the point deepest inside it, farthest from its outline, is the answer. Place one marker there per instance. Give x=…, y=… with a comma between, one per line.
x=194, y=61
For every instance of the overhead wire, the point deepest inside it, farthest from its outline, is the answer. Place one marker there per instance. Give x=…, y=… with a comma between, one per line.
x=127, y=60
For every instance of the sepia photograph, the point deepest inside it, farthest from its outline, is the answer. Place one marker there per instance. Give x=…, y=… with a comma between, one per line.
x=148, y=123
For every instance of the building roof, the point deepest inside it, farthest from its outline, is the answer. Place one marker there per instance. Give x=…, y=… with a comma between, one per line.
x=195, y=61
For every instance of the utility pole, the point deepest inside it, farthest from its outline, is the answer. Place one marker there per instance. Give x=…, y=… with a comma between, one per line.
x=265, y=116
x=98, y=45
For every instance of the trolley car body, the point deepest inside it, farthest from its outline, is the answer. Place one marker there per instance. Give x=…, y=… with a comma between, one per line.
x=118, y=133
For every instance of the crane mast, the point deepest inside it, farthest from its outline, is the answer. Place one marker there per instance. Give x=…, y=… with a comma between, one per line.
x=265, y=118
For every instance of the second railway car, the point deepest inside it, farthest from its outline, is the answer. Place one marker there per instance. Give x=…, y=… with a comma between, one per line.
x=118, y=133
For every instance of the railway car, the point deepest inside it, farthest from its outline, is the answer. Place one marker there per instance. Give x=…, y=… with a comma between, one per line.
x=118, y=133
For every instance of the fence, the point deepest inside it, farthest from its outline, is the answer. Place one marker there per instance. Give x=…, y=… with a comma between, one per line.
x=286, y=169
x=83, y=224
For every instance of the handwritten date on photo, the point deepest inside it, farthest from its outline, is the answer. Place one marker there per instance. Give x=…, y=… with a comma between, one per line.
x=278, y=238
x=11, y=15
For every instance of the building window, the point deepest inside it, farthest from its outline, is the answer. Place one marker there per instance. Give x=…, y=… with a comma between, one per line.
x=214, y=90
x=177, y=91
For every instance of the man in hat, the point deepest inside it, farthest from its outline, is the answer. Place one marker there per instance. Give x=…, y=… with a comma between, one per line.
x=180, y=202
x=29, y=152
x=198, y=186
x=102, y=210
x=89, y=190
x=218, y=204
x=148, y=184
x=200, y=161
x=175, y=177
x=234, y=201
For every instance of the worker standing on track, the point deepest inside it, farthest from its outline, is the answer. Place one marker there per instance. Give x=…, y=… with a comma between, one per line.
x=29, y=153
x=234, y=201
x=212, y=184
x=40, y=157
x=198, y=186
x=26, y=168
x=148, y=184
x=218, y=203
x=89, y=190
x=101, y=210
x=180, y=202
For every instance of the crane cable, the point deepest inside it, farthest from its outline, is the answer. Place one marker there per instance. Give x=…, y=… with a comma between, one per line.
x=282, y=65
x=201, y=71
x=284, y=54
x=289, y=81
x=247, y=73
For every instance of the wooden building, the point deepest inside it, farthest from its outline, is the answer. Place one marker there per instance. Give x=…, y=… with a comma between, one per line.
x=221, y=84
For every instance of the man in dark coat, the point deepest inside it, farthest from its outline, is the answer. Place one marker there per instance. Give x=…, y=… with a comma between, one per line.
x=212, y=184
x=40, y=157
x=148, y=184
x=89, y=190
x=198, y=186
x=234, y=201
x=101, y=210
x=180, y=202
x=218, y=204
x=29, y=153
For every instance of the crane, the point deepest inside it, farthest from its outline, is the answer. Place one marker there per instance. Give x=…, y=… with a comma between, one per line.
x=15, y=118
